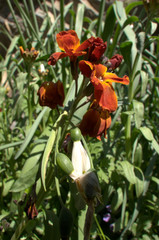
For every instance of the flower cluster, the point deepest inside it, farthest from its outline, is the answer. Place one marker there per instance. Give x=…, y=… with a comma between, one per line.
x=29, y=55
x=97, y=119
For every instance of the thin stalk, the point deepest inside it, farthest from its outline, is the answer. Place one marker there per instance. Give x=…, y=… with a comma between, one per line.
x=101, y=12
x=17, y=24
x=55, y=165
x=29, y=95
x=62, y=14
x=130, y=98
x=100, y=229
x=34, y=16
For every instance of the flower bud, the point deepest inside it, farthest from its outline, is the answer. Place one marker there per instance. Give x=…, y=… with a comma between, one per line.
x=29, y=55
x=64, y=163
x=76, y=134
x=88, y=186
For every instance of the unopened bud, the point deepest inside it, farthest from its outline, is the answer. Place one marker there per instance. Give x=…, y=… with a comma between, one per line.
x=64, y=163
x=88, y=186
x=76, y=134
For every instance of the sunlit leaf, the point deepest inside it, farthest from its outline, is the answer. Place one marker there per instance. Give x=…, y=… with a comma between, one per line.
x=147, y=133
x=139, y=112
x=117, y=199
x=26, y=180
x=128, y=171
x=139, y=185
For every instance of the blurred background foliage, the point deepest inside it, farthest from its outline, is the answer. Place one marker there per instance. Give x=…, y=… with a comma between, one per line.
x=126, y=162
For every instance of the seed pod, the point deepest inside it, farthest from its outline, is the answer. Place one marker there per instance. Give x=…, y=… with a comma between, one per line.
x=76, y=134
x=64, y=163
x=65, y=223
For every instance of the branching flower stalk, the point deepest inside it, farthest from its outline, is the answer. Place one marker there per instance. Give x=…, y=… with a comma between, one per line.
x=95, y=122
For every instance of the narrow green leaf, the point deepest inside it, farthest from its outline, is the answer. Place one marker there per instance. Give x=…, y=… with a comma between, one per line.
x=147, y=133
x=79, y=19
x=81, y=221
x=139, y=112
x=17, y=23
x=9, y=145
x=7, y=186
x=144, y=82
x=48, y=148
x=117, y=200
x=31, y=132
x=100, y=17
x=139, y=185
x=130, y=6
x=46, y=155
x=13, y=44
x=34, y=157
x=128, y=171
x=138, y=155
x=109, y=24
x=141, y=41
x=21, y=79
x=62, y=15
x=155, y=145
x=126, y=48
x=124, y=204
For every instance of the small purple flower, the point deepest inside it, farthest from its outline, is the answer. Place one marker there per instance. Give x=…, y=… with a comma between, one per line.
x=108, y=207
x=111, y=226
x=107, y=217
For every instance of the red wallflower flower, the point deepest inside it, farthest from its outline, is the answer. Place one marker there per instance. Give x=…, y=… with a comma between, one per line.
x=115, y=61
x=102, y=81
x=96, y=121
x=68, y=42
x=50, y=94
x=96, y=49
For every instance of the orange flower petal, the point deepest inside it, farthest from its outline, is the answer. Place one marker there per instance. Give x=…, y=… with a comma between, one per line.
x=21, y=50
x=112, y=77
x=86, y=68
x=68, y=39
x=105, y=122
x=100, y=70
x=55, y=57
x=50, y=94
x=90, y=123
x=104, y=94
x=83, y=46
x=95, y=122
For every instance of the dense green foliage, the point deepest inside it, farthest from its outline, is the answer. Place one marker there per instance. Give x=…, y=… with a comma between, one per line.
x=126, y=162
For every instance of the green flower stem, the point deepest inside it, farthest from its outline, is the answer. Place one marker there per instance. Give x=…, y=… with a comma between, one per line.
x=57, y=184
x=42, y=193
x=102, y=236
x=130, y=98
x=29, y=95
x=72, y=110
